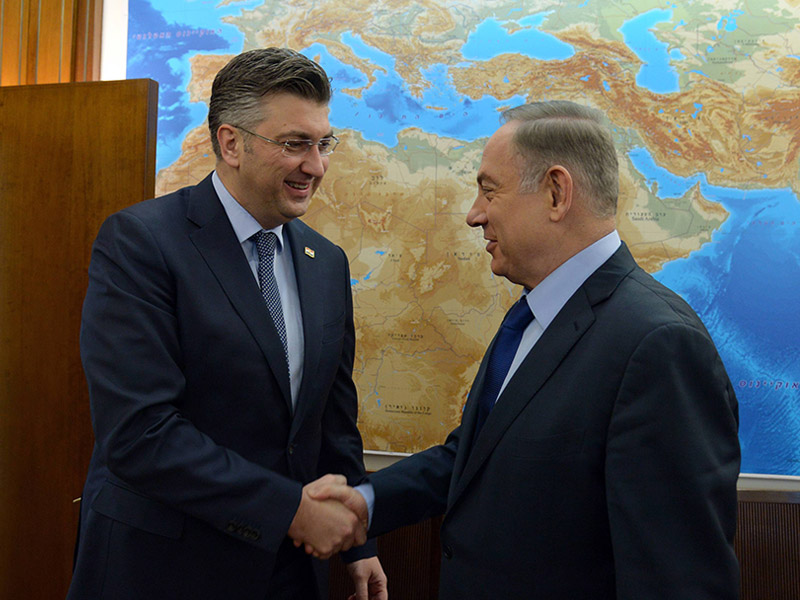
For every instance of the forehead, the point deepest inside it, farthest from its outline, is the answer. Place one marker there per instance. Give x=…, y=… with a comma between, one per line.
x=287, y=114
x=499, y=163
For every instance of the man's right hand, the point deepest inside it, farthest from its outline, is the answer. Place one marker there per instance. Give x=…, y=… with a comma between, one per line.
x=334, y=487
x=326, y=526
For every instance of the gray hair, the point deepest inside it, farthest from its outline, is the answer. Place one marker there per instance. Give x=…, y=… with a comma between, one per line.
x=242, y=84
x=574, y=136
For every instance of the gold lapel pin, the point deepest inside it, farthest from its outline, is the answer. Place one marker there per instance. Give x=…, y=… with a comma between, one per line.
x=310, y=252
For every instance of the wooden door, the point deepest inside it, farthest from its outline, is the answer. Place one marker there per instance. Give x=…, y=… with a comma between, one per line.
x=70, y=155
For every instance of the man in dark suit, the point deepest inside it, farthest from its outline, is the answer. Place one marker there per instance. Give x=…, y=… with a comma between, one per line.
x=217, y=340
x=606, y=466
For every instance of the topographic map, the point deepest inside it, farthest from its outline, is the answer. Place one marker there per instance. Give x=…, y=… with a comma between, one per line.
x=704, y=100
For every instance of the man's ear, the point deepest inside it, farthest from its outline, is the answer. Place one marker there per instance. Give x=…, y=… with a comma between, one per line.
x=231, y=144
x=559, y=186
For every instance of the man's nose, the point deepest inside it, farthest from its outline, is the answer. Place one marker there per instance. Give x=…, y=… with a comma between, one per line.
x=476, y=217
x=314, y=163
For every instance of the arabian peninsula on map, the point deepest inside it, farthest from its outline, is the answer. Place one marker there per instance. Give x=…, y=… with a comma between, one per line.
x=703, y=99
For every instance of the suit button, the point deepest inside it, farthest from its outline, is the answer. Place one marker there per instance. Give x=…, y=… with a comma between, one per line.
x=448, y=552
x=290, y=449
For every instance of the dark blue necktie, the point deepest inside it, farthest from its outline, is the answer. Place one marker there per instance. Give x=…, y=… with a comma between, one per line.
x=503, y=351
x=266, y=242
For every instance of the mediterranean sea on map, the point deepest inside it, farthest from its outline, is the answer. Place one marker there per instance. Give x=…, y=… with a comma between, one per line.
x=743, y=280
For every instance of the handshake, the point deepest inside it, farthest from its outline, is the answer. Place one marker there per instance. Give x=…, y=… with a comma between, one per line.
x=332, y=517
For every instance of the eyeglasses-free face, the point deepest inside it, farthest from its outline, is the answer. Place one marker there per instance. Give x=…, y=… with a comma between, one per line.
x=295, y=148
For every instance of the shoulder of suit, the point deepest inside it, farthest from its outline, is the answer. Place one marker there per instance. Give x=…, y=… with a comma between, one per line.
x=162, y=205
x=655, y=302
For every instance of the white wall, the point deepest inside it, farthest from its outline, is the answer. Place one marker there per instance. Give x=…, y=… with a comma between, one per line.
x=113, y=54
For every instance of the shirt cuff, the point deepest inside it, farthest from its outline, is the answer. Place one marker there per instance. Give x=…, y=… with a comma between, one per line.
x=368, y=492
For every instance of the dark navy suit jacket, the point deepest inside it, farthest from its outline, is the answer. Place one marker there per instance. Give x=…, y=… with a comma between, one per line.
x=607, y=469
x=199, y=459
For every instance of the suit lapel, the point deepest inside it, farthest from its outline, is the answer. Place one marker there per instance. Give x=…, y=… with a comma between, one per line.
x=469, y=419
x=571, y=323
x=557, y=340
x=308, y=274
x=217, y=243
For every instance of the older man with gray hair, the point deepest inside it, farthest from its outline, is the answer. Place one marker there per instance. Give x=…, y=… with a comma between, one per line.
x=598, y=455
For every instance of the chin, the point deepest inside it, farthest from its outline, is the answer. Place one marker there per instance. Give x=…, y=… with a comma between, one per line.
x=297, y=208
x=498, y=269
x=502, y=271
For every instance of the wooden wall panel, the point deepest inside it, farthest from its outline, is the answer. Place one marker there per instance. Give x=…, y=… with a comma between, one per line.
x=768, y=545
x=13, y=32
x=411, y=559
x=49, y=41
x=71, y=154
x=87, y=40
x=53, y=29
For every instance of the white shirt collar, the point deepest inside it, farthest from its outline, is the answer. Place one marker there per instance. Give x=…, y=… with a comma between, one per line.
x=244, y=224
x=549, y=297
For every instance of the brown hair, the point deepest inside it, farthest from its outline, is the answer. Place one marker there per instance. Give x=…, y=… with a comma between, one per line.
x=242, y=84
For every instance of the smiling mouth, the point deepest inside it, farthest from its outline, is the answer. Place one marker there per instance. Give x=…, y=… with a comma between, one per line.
x=298, y=186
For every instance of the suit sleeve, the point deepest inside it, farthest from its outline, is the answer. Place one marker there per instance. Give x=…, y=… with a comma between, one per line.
x=671, y=471
x=415, y=488
x=132, y=358
x=342, y=450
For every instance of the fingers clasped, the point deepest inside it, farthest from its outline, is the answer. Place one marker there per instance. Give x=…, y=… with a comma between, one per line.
x=331, y=518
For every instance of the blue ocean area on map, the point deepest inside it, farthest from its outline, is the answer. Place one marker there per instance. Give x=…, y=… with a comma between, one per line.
x=656, y=74
x=387, y=107
x=490, y=39
x=743, y=283
x=756, y=250
x=159, y=42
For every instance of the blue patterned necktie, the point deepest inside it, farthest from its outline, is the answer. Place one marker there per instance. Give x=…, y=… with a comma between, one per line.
x=265, y=243
x=503, y=351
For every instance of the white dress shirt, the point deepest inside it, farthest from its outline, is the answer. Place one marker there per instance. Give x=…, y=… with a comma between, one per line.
x=245, y=226
x=548, y=298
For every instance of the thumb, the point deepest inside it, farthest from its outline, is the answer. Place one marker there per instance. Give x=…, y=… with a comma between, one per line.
x=362, y=590
x=340, y=492
x=314, y=488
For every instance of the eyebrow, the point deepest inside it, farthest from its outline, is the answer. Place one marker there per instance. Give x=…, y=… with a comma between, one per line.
x=297, y=134
x=484, y=177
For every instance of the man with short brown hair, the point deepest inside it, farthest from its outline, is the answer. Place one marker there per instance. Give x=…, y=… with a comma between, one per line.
x=218, y=343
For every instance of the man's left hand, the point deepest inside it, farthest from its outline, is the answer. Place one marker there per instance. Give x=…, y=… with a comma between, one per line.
x=369, y=578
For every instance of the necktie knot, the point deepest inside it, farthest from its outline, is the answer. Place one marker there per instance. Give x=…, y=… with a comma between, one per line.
x=266, y=241
x=520, y=315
